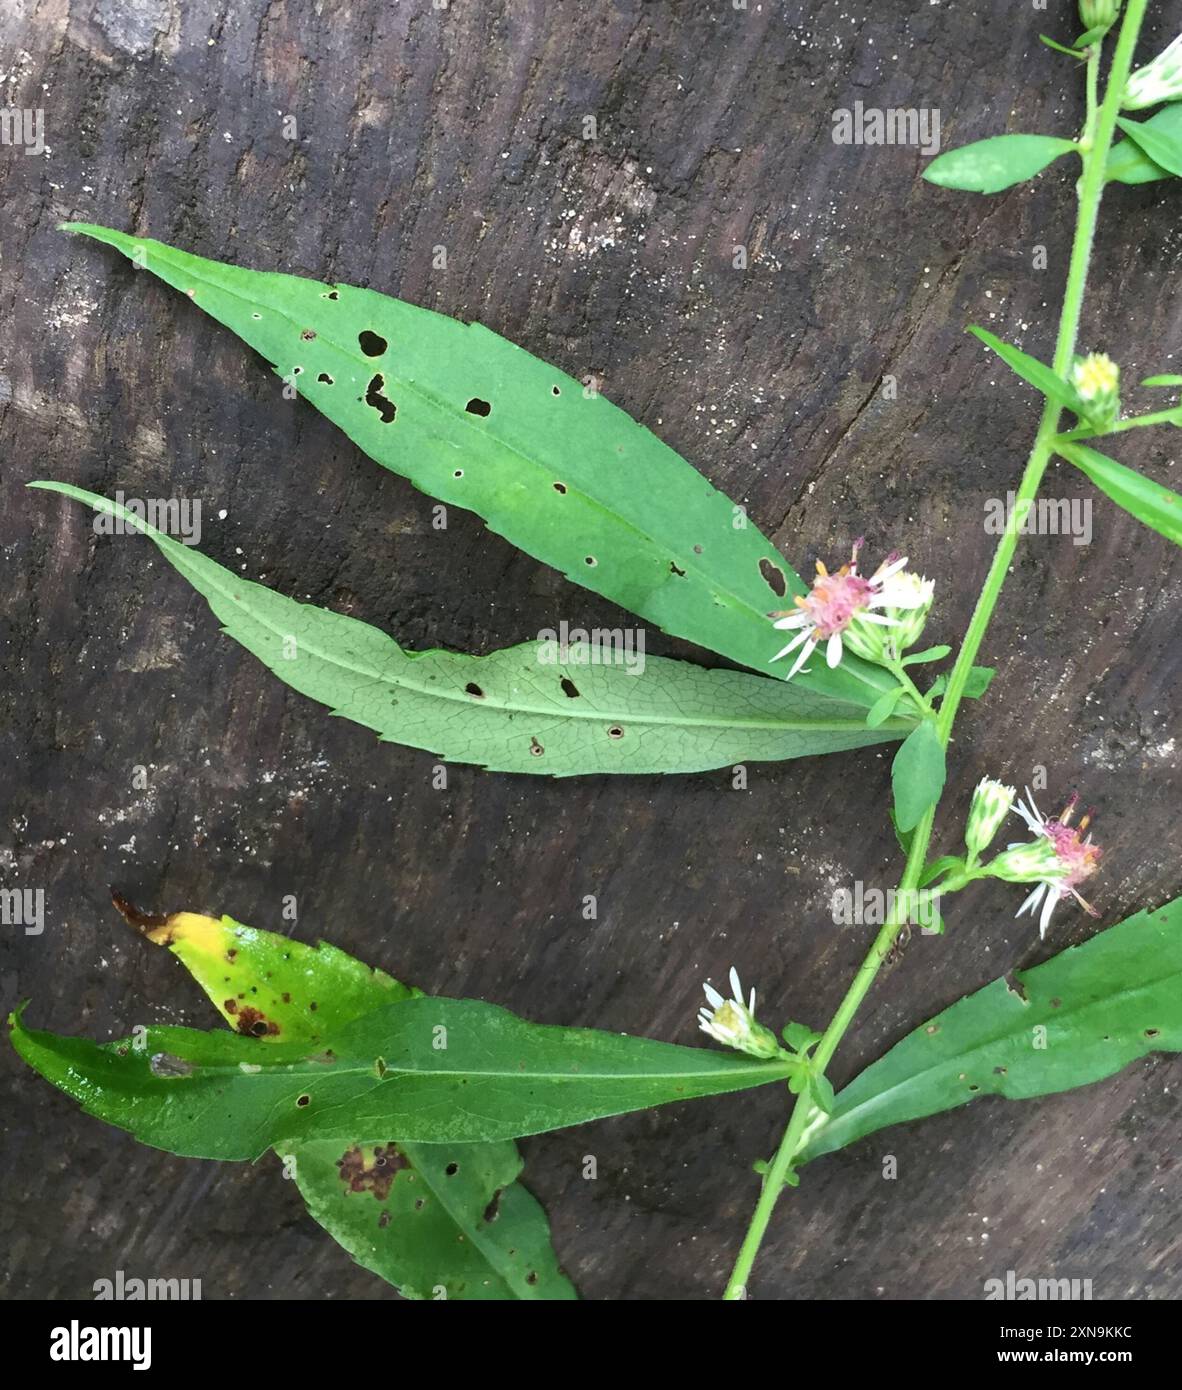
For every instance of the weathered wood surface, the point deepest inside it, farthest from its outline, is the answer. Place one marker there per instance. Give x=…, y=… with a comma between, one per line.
x=464, y=128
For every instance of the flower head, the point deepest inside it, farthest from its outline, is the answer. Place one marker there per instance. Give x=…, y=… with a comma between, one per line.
x=838, y=601
x=990, y=806
x=1060, y=857
x=732, y=1023
x=1096, y=378
x=909, y=618
x=1160, y=80
x=1096, y=13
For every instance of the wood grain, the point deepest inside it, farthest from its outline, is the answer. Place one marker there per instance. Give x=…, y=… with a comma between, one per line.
x=464, y=128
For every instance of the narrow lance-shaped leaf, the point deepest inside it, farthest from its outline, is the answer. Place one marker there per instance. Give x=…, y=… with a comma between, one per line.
x=1163, y=147
x=1030, y=369
x=427, y=1070
x=525, y=708
x=556, y=469
x=422, y=1216
x=1127, y=160
x=988, y=166
x=1151, y=503
x=1096, y=1007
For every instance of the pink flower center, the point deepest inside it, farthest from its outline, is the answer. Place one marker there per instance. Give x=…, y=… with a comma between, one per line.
x=1079, y=860
x=834, y=599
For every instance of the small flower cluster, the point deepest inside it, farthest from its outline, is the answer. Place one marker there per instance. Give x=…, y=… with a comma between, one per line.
x=1096, y=379
x=1058, y=859
x=842, y=609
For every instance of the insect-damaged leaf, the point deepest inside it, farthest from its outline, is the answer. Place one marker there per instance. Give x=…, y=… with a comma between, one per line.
x=424, y=1217
x=1083, y=1015
x=481, y=424
x=523, y=709
x=426, y=1070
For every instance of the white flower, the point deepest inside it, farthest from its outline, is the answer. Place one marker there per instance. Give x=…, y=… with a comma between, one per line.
x=732, y=1023
x=836, y=600
x=909, y=619
x=1160, y=80
x=1059, y=857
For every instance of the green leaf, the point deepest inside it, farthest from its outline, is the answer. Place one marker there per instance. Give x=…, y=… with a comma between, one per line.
x=917, y=775
x=938, y=867
x=432, y=1218
x=800, y=1037
x=1061, y=48
x=1168, y=379
x=904, y=837
x=424, y=1217
x=426, y=1070
x=928, y=654
x=976, y=685
x=821, y=1092
x=882, y=709
x=1151, y=503
x=988, y=166
x=1164, y=148
x=559, y=471
x=1090, y=36
x=1031, y=370
x=1077, y=1019
x=522, y=709
x=1128, y=162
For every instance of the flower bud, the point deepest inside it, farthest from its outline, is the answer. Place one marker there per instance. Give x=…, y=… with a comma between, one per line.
x=1094, y=13
x=868, y=639
x=1096, y=378
x=1160, y=80
x=1030, y=863
x=910, y=620
x=990, y=806
x=732, y=1023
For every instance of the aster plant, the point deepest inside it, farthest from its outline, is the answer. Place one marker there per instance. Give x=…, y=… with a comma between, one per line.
x=396, y=1111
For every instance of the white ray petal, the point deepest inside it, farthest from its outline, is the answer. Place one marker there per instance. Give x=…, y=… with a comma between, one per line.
x=805, y=652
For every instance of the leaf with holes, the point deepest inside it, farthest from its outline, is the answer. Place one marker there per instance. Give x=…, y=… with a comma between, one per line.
x=1080, y=1017
x=554, y=468
x=424, y=1217
x=527, y=708
x=425, y=1070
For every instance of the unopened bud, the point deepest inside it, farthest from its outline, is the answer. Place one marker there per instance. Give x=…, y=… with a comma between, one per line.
x=1026, y=863
x=990, y=806
x=1096, y=378
x=1160, y=80
x=1095, y=14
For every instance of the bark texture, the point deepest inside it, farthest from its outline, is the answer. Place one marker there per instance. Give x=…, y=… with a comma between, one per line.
x=606, y=246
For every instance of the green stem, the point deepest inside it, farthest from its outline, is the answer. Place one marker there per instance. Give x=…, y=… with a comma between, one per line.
x=1172, y=416
x=1091, y=188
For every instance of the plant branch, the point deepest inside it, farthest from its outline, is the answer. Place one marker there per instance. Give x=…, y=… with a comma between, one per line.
x=1098, y=134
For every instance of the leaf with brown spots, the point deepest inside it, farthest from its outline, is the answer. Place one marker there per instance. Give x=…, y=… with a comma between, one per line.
x=454, y=1218
x=1074, y=1020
